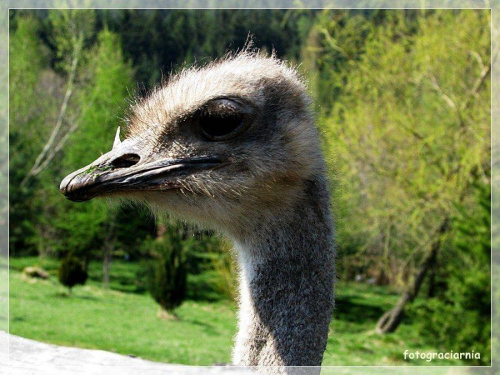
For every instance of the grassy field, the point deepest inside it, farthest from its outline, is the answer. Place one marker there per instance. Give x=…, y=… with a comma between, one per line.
x=124, y=319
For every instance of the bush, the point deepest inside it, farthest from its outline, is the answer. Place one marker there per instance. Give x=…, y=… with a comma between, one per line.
x=437, y=319
x=167, y=276
x=72, y=272
x=222, y=262
x=459, y=317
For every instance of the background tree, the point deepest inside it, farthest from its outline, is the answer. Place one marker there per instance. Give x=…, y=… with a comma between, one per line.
x=72, y=272
x=410, y=140
x=463, y=282
x=109, y=78
x=167, y=276
x=28, y=64
x=70, y=31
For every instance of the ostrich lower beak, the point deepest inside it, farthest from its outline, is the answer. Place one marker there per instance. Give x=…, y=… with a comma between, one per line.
x=117, y=172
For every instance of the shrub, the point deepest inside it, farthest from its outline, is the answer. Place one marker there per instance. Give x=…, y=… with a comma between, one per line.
x=459, y=317
x=72, y=272
x=225, y=284
x=167, y=276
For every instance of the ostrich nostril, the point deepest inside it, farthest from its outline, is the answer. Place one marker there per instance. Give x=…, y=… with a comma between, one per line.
x=126, y=161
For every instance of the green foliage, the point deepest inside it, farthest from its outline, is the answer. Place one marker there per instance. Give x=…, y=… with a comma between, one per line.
x=28, y=60
x=129, y=242
x=158, y=40
x=97, y=95
x=406, y=136
x=466, y=277
x=407, y=132
x=224, y=265
x=70, y=31
x=437, y=318
x=167, y=279
x=102, y=99
x=72, y=272
x=339, y=42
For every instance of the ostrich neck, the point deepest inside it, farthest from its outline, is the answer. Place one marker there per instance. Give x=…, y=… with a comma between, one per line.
x=286, y=286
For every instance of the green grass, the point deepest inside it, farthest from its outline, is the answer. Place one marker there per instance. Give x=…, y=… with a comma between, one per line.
x=124, y=319
x=120, y=322
x=352, y=338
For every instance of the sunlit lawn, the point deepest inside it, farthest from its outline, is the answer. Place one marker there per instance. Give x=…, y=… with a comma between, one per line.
x=124, y=319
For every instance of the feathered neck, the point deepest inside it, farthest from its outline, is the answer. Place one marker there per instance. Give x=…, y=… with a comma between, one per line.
x=286, y=286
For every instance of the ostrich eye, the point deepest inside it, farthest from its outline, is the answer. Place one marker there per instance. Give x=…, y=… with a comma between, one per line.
x=222, y=119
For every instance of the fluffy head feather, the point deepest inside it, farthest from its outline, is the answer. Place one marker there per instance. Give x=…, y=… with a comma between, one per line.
x=269, y=161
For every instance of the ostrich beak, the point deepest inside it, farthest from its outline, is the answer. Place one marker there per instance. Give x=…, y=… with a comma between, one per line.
x=125, y=168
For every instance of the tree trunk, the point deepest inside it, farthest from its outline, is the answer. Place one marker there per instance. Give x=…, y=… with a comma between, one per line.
x=109, y=246
x=432, y=281
x=161, y=228
x=49, y=150
x=391, y=319
x=107, y=256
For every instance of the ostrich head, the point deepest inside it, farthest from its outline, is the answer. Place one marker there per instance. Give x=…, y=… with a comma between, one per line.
x=223, y=145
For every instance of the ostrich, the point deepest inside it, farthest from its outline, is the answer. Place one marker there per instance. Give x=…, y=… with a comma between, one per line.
x=232, y=146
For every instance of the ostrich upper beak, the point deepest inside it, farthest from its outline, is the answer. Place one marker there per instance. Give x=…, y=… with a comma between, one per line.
x=126, y=168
